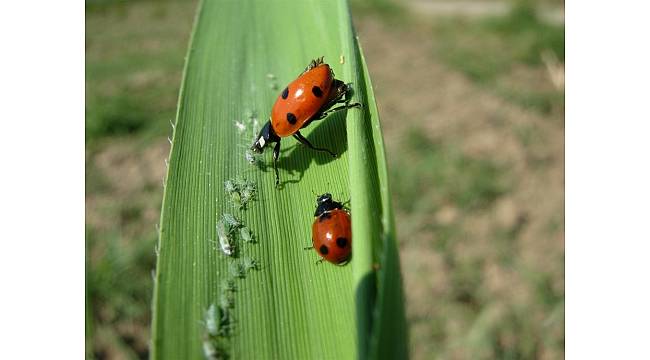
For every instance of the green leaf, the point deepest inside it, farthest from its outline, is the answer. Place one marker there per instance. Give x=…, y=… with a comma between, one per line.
x=242, y=53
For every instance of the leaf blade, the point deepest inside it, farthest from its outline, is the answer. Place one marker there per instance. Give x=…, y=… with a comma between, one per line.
x=291, y=307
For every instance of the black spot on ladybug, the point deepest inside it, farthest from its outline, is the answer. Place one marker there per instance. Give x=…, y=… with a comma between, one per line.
x=324, y=217
x=341, y=242
x=291, y=118
x=317, y=91
x=324, y=250
x=285, y=93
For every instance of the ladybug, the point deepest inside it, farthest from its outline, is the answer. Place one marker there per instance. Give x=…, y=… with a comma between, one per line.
x=309, y=98
x=331, y=232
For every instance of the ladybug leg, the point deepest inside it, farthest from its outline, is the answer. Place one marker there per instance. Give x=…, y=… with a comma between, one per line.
x=276, y=156
x=321, y=115
x=319, y=261
x=308, y=247
x=306, y=142
x=314, y=63
x=342, y=107
x=342, y=93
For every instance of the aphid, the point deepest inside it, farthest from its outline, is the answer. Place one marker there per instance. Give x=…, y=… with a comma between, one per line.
x=227, y=284
x=249, y=263
x=232, y=221
x=227, y=323
x=240, y=126
x=341, y=59
x=217, y=326
x=239, y=182
x=241, y=191
x=270, y=76
x=248, y=194
x=226, y=301
x=246, y=235
x=235, y=198
x=236, y=270
x=229, y=186
x=310, y=97
x=223, y=232
x=209, y=350
x=211, y=321
x=332, y=230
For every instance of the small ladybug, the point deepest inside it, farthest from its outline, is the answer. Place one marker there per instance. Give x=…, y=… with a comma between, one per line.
x=308, y=98
x=332, y=230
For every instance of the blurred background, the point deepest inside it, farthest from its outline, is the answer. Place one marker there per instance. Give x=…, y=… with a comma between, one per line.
x=471, y=96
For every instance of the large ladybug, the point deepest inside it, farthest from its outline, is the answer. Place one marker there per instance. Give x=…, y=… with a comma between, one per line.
x=332, y=230
x=308, y=98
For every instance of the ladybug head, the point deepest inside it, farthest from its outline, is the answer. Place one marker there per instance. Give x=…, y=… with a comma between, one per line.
x=325, y=198
x=266, y=136
x=324, y=203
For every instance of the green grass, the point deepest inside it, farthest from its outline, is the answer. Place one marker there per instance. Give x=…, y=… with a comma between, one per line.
x=446, y=176
x=117, y=294
x=527, y=34
x=133, y=71
x=291, y=307
x=116, y=115
x=390, y=11
x=465, y=316
x=134, y=59
x=488, y=50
